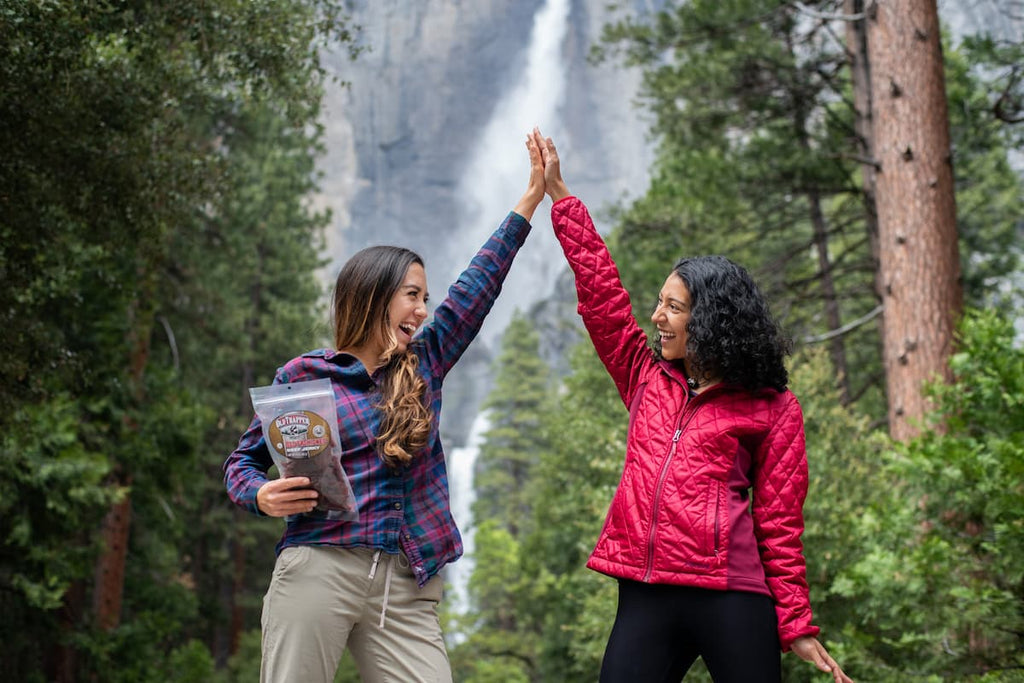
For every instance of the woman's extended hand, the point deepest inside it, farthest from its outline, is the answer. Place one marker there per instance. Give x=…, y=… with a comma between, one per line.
x=286, y=496
x=809, y=649
x=554, y=185
x=535, y=187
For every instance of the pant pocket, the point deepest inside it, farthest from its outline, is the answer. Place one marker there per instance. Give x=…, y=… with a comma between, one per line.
x=290, y=559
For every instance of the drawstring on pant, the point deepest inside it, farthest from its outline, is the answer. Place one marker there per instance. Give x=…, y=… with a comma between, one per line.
x=387, y=583
x=387, y=589
x=373, y=567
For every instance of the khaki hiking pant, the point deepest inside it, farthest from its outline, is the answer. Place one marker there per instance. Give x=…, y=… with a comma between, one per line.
x=323, y=599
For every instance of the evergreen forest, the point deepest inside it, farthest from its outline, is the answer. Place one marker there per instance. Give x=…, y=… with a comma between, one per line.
x=159, y=255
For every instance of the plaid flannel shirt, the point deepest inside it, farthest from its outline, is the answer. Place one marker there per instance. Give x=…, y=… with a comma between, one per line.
x=405, y=510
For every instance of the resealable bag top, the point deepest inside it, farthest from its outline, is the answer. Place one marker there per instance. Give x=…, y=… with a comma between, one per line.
x=300, y=426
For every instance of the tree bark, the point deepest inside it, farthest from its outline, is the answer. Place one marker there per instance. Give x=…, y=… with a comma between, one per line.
x=860, y=77
x=919, y=263
x=108, y=593
x=830, y=300
x=110, y=566
x=62, y=664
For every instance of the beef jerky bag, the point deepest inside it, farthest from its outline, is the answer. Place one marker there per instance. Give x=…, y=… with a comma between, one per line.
x=300, y=426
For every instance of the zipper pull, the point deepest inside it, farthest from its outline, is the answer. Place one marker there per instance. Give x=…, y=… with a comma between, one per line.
x=675, y=437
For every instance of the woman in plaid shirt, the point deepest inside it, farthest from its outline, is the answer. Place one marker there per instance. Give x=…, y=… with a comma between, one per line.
x=372, y=585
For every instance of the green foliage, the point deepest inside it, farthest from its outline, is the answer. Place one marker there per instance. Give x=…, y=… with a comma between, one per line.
x=53, y=492
x=502, y=649
x=499, y=642
x=999, y=62
x=758, y=160
x=517, y=404
x=939, y=587
x=755, y=162
x=989, y=193
x=845, y=468
x=347, y=670
x=538, y=614
x=574, y=482
x=159, y=256
x=191, y=663
x=244, y=664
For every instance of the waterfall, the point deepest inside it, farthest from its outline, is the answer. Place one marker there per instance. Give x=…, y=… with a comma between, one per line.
x=494, y=179
x=462, y=496
x=496, y=172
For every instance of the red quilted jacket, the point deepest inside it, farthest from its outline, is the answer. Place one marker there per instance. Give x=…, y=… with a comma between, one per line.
x=713, y=486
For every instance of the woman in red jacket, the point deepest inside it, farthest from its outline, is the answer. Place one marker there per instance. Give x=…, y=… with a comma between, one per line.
x=703, y=533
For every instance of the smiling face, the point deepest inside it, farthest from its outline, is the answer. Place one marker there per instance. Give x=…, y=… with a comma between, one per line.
x=671, y=317
x=379, y=302
x=408, y=307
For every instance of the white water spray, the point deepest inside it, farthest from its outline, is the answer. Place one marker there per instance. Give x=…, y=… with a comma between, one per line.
x=494, y=180
x=498, y=167
x=462, y=497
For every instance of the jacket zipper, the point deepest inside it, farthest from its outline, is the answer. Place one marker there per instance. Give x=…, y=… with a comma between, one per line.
x=657, y=503
x=718, y=498
x=688, y=413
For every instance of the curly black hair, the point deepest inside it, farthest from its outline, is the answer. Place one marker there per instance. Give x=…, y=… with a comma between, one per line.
x=731, y=334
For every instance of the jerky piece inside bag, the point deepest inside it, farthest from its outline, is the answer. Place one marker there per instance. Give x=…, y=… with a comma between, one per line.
x=300, y=427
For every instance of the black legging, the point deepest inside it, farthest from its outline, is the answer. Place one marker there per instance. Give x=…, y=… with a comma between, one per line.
x=660, y=631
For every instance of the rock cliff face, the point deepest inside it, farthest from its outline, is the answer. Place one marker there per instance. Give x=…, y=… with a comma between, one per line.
x=425, y=143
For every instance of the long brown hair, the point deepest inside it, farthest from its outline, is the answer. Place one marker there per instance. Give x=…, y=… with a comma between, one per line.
x=362, y=295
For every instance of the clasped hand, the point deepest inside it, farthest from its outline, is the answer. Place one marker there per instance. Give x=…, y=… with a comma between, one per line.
x=545, y=175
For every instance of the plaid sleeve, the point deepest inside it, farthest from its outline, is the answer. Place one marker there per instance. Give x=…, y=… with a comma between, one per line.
x=458, y=318
x=245, y=470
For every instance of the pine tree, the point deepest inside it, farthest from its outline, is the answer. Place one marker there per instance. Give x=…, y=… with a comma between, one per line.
x=136, y=140
x=516, y=406
x=919, y=261
x=501, y=644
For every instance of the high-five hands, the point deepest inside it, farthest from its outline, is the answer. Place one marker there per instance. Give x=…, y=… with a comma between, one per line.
x=535, y=185
x=553, y=183
x=545, y=174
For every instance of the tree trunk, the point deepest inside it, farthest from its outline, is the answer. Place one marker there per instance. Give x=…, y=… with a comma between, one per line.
x=819, y=227
x=62, y=664
x=919, y=264
x=833, y=320
x=110, y=565
x=860, y=77
x=109, y=575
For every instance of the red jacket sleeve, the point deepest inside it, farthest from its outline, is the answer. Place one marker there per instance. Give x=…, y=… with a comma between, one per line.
x=780, y=487
x=603, y=302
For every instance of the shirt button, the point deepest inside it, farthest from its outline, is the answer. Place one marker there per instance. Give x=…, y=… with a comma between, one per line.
x=398, y=506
